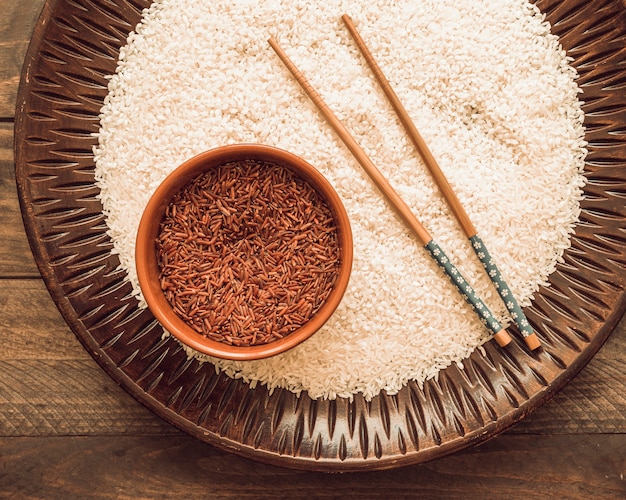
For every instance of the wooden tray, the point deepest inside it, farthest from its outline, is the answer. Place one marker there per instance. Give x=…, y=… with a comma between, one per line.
x=76, y=43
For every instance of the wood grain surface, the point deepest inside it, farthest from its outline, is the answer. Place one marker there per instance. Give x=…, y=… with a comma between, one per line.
x=68, y=431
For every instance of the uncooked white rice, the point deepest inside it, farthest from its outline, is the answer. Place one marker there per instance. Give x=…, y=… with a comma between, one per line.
x=487, y=85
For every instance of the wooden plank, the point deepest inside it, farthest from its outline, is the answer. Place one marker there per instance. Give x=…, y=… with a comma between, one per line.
x=595, y=401
x=31, y=326
x=575, y=467
x=16, y=259
x=41, y=362
x=16, y=25
x=69, y=398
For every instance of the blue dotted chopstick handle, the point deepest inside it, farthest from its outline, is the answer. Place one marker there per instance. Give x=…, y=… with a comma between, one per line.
x=464, y=288
x=503, y=289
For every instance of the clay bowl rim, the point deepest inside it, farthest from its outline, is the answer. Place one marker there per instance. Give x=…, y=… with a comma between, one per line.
x=147, y=266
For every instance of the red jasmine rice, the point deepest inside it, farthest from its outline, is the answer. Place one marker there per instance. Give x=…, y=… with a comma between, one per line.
x=487, y=85
x=248, y=252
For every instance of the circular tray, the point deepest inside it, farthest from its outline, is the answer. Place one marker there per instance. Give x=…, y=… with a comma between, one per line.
x=75, y=45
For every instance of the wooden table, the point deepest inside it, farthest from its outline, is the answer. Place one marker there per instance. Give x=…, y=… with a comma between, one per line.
x=68, y=431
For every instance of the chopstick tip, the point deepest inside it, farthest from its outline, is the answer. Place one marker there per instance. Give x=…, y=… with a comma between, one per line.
x=532, y=341
x=347, y=20
x=502, y=338
x=274, y=44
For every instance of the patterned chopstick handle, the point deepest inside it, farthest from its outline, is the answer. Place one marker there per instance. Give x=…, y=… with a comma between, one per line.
x=464, y=288
x=503, y=289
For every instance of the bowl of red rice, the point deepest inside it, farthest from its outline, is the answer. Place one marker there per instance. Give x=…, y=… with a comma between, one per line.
x=244, y=251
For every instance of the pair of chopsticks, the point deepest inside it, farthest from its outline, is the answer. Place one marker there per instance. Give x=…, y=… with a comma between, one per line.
x=404, y=212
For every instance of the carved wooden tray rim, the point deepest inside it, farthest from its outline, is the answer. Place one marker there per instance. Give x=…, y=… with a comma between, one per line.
x=75, y=45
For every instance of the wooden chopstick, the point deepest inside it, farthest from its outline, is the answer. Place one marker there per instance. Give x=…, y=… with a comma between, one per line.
x=401, y=208
x=530, y=337
x=380, y=181
x=413, y=133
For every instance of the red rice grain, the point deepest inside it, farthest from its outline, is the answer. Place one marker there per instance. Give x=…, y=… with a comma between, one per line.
x=248, y=252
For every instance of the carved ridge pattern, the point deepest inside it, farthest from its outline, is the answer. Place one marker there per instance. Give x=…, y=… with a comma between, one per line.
x=75, y=46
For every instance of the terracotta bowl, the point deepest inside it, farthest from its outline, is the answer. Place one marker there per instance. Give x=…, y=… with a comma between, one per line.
x=148, y=270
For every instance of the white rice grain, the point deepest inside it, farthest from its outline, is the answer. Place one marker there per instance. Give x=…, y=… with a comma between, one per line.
x=489, y=88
